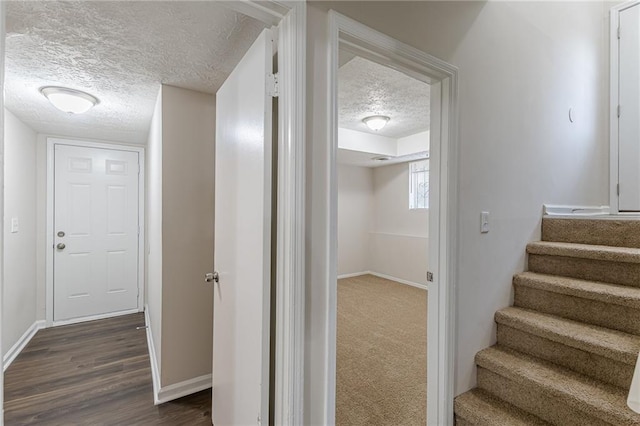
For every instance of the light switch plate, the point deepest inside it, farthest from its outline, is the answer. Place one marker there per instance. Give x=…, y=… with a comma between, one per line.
x=15, y=225
x=484, y=222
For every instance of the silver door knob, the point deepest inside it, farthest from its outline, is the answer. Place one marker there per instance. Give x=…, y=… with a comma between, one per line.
x=61, y=246
x=212, y=276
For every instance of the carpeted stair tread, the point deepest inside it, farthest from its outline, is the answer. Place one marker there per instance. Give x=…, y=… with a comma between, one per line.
x=602, y=341
x=609, y=293
x=478, y=407
x=592, y=397
x=585, y=251
x=610, y=231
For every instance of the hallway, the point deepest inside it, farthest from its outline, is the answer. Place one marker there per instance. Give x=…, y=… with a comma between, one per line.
x=94, y=373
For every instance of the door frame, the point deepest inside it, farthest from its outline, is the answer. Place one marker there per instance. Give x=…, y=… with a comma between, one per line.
x=291, y=19
x=2, y=183
x=443, y=250
x=614, y=46
x=49, y=229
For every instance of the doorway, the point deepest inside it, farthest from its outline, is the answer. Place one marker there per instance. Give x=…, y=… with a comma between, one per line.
x=383, y=224
x=624, y=182
x=95, y=231
x=357, y=39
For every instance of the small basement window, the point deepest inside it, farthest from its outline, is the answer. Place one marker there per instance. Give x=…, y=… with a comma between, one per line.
x=419, y=184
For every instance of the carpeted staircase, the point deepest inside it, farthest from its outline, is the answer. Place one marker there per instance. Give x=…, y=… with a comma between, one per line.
x=567, y=349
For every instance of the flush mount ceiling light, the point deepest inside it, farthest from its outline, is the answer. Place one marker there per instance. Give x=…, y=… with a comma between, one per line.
x=69, y=100
x=376, y=122
x=381, y=158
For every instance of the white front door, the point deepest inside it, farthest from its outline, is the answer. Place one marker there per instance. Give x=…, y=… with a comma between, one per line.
x=629, y=120
x=95, y=232
x=243, y=241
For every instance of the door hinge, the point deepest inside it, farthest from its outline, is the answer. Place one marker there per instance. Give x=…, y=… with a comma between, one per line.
x=430, y=277
x=273, y=88
x=618, y=111
x=618, y=189
x=618, y=32
x=139, y=169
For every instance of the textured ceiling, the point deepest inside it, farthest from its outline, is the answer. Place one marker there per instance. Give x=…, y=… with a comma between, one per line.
x=366, y=88
x=119, y=52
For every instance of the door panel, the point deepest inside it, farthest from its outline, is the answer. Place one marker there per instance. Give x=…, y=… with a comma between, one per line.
x=629, y=121
x=243, y=241
x=96, y=207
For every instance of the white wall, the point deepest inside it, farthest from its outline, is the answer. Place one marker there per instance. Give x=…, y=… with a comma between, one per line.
x=399, y=238
x=522, y=65
x=354, y=140
x=414, y=143
x=377, y=232
x=20, y=281
x=355, y=218
x=153, y=264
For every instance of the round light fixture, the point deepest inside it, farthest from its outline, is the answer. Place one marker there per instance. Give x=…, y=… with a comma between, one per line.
x=381, y=158
x=376, y=122
x=69, y=100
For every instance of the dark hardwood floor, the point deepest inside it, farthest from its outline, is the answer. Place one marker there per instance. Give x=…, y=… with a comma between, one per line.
x=95, y=373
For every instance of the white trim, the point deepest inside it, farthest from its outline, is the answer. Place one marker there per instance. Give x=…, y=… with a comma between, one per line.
x=22, y=342
x=357, y=38
x=399, y=280
x=93, y=318
x=351, y=275
x=290, y=255
x=153, y=359
x=178, y=390
x=564, y=210
x=614, y=46
x=267, y=12
x=386, y=277
x=51, y=142
x=2, y=72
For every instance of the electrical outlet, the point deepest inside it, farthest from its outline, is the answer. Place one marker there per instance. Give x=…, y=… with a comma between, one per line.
x=15, y=225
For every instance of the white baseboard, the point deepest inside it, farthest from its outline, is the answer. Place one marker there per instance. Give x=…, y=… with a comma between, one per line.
x=155, y=371
x=386, y=277
x=176, y=390
x=94, y=317
x=399, y=280
x=355, y=274
x=559, y=210
x=15, y=350
x=188, y=387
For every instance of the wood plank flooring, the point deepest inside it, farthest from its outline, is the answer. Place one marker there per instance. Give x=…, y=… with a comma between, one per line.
x=94, y=373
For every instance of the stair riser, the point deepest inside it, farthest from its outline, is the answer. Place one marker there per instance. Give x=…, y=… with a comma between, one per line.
x=534, y=401
x=589, y=364
x=586, y=269
x=619, y=233
x=578, y=309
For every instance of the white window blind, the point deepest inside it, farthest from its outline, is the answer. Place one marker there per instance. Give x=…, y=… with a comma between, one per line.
x=419, y=184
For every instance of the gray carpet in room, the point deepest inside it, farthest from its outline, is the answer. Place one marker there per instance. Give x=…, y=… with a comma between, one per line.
x=381, y=353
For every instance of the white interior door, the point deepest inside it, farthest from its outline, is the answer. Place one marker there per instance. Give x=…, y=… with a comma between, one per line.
x=96, y=231
x=629, y=120
x=242, y=241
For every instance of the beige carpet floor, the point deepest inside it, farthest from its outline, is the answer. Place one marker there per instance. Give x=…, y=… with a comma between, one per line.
x=381, y=353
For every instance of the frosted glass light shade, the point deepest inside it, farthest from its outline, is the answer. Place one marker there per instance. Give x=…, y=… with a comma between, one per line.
x=376, y=122
x=69, y=100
